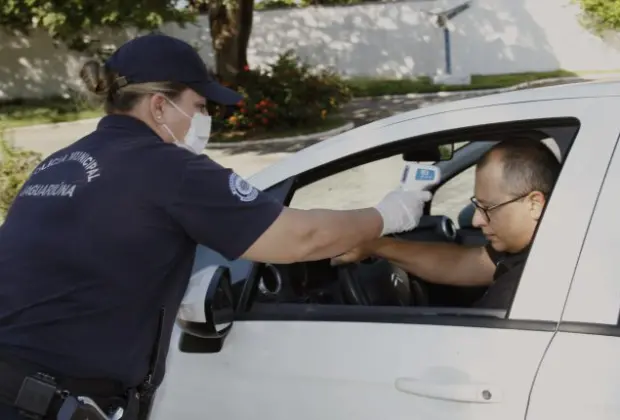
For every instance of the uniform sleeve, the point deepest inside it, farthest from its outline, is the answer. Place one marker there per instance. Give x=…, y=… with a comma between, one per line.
x=495, y=256
x=220, y=210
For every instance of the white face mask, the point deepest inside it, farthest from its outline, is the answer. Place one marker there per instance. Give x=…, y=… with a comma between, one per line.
x=198, y=134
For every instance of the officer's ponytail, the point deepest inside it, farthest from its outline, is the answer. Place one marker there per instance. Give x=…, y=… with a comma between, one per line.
x=116, y=93
x=97, y=78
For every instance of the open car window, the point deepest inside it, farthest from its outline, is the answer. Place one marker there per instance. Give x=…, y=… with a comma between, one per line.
x=361, y=186
x=315, y=290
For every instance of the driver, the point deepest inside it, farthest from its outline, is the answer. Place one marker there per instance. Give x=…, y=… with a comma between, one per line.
x=512, y=185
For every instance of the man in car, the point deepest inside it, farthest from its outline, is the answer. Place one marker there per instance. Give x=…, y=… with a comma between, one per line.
x=512, y=185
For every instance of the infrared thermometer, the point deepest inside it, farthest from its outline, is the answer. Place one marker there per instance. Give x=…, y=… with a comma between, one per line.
x=417, y=176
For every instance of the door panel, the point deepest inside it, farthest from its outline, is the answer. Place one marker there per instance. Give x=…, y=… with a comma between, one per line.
x=311, y=370
x=578, y=379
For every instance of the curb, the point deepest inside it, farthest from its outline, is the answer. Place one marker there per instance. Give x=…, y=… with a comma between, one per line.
x=301, y=138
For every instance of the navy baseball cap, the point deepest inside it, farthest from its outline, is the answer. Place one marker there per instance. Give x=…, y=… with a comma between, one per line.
x=162, y=58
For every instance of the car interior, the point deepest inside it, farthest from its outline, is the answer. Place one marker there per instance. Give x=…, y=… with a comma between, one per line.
x=378, y=282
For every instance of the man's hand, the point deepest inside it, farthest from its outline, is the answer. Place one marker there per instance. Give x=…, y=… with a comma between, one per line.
x=356, y=254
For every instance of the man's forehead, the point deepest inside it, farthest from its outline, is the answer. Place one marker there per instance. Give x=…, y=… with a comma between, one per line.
x=489, y=181
x=491, y=170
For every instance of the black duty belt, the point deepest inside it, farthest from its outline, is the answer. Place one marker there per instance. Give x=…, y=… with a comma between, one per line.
x=40, y=396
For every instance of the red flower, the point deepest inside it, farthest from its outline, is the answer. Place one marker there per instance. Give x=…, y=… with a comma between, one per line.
x=246, y=68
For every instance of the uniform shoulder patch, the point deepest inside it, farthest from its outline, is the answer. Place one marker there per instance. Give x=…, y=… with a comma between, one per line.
x=241, y=188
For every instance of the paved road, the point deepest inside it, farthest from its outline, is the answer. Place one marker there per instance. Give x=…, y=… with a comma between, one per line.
x=364, y=110
x=362, y=186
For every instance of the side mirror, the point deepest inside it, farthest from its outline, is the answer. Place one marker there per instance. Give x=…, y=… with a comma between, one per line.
x=446, y=151
x=207, y=311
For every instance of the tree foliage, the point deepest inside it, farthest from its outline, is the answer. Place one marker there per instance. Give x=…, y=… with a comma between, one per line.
x=72, y=22
x=15, y=168
x=601, y=15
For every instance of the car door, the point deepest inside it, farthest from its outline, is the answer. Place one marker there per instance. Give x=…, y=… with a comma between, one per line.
x=283, y=361
x=578, y=377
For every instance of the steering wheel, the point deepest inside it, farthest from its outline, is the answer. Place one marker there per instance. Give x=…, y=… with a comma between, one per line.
x=380, y=283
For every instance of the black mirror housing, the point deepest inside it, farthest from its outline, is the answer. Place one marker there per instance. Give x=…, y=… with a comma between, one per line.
x=207, y=312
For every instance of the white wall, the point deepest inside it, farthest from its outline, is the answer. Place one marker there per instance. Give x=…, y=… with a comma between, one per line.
x=35, y=66
x=392, y=40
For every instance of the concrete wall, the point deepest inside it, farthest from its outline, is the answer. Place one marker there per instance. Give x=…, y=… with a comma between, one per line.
x=392, y=40
x=35, y=66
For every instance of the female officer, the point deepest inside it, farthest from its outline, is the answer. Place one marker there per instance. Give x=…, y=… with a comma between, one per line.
x=99, y=243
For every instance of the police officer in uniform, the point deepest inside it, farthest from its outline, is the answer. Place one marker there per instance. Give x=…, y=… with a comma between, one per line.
x=97, y=248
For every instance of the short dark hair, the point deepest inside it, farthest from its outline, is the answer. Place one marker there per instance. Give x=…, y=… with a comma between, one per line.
x=527, y=165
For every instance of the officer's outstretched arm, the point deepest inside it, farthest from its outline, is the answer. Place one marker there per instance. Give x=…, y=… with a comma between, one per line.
x=218, y=209
x=303, y=235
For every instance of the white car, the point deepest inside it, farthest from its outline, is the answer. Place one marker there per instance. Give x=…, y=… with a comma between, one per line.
x=303, y=345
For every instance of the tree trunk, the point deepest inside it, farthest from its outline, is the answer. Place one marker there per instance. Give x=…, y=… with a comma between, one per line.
x=230, y=24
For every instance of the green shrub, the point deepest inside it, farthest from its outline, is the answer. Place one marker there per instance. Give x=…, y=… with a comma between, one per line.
x=600, y=15
x=15, y=168
x=289, y=93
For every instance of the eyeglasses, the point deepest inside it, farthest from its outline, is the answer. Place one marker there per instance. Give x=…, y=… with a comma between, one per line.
x=485, y=210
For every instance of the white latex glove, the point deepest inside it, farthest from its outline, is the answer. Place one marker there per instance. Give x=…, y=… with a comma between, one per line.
x=401, y=210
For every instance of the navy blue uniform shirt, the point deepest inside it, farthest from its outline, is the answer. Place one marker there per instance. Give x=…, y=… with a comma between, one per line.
x=102, y=236
x=508, y=270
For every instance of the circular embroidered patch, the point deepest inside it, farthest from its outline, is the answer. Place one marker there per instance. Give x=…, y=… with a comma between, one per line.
x=241, y=188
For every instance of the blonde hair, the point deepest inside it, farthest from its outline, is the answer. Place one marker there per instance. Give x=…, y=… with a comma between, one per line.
x=116, y=94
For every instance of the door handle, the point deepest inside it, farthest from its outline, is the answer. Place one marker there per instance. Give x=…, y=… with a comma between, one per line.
x=465, y=392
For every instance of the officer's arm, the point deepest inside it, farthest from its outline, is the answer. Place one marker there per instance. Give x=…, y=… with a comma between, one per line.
x=438, y=262
x=306, y=235
x=218, y=209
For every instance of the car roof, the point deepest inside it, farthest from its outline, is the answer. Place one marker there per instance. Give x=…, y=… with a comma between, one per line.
x=355, y=140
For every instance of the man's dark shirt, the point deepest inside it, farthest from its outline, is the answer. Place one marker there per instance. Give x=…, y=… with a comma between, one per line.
x=103, y=236
x=509, y=268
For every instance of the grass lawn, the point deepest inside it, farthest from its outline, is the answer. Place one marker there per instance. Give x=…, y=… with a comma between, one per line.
x=24, y=112
x=361, y=86
x=17, y=113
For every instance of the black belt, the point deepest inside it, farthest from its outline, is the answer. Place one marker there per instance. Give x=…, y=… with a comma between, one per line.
x=16, y=374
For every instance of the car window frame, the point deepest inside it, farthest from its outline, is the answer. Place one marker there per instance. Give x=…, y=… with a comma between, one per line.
x=253, y=311
x=592, y=282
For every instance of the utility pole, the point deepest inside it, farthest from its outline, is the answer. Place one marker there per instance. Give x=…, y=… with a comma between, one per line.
x=442, y=20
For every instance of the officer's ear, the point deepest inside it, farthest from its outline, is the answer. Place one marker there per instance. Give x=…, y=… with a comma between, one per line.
x=157, y=104
x=536, y=202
